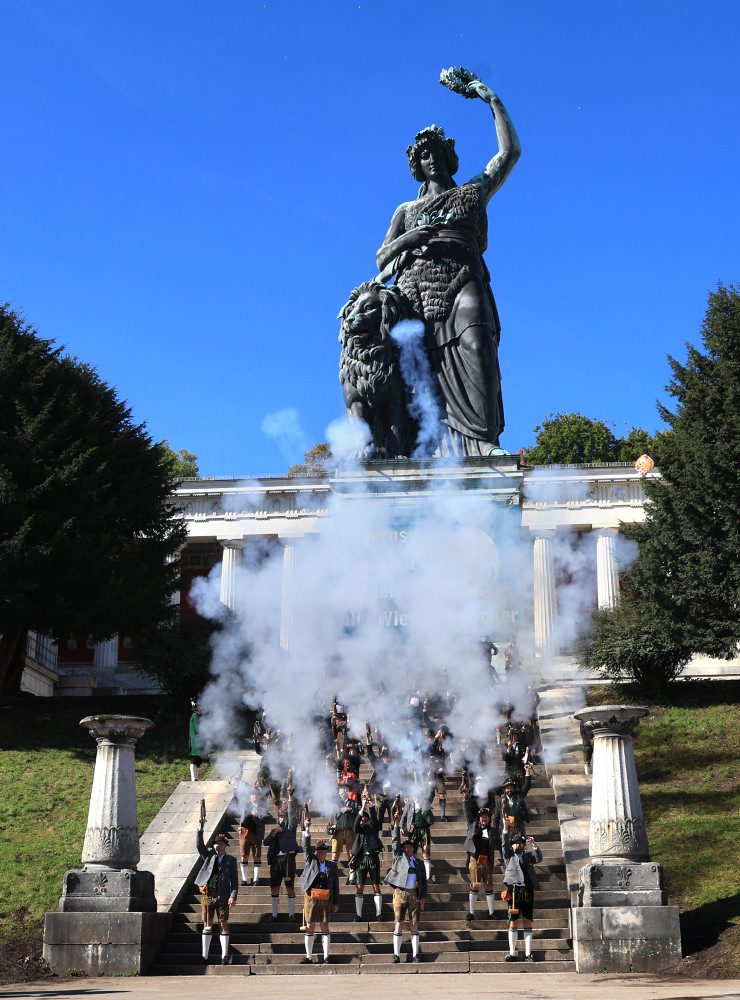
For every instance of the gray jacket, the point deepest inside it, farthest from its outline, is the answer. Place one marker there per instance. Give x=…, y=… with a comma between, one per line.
x=283, y=839
x=527, y=861
x=311, y=870
x=228, y=883
x=399, y=870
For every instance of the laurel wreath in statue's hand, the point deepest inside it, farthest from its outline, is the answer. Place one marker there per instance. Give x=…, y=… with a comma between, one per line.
x=458, y=79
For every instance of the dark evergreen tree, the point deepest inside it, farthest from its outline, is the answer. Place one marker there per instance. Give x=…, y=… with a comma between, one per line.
x=689, y=563
x=87, y=530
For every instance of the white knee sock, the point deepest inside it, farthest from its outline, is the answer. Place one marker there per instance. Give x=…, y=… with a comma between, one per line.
x=206, y=942
x=428, y=867
x=512, y=941
x=414, y=945
x=291, y=906
x=193, y=772
x=358, y=903
x=472, y=900
x=244, y=870
x=224, y=945
x=256, y=872
x=326, y=941
x=397, y=939
x=527, y=941
x=490, y=900
x=308, y=940
x=274, y=900
x=378, y=898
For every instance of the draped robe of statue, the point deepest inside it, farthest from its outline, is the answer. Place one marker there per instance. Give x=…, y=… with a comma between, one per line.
x=448, y=286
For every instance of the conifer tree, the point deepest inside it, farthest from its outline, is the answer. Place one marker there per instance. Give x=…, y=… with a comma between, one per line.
x=87, y=530
x=689, y=563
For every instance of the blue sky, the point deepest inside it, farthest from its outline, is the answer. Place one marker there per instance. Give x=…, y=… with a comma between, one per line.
x=189, y=191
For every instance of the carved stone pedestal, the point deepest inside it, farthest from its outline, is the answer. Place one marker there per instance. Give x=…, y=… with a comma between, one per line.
x=108, y=921
x=100, y=891
x=622, y=885
x=622, y=923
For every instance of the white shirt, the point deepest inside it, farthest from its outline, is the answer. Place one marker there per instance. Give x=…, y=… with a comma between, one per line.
x=411, y=877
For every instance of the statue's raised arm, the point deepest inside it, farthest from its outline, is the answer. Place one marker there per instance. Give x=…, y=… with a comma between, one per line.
x=462, y=81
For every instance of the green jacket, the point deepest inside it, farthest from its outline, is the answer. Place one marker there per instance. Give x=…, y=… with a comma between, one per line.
x=194, y=745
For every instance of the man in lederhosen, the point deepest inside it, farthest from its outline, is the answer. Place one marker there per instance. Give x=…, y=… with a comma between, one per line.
x=409, y=880
x=282, y=848
x=320, y=881
x=252, y=821
x=481, y=842
x=365, y=860
x=520, y=883
x=218, y=884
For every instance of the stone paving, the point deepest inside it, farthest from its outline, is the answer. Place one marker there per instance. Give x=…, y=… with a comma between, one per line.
x=551, y=986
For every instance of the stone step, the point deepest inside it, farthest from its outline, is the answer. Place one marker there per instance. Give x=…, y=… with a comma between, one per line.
x=477, y=934
x=461, y=964
x=440, y=922
x=494, y=945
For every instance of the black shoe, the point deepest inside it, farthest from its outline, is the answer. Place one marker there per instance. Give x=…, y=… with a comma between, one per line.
x=359, y=920
x=244, y=882
x=469, y=918
x=380, y=917
x=510, y=958
x=305, y=961
x=226, y=960
x=396, y=959
x=327, y=960
x=529, y=958
x=255, y=881
x=415, y=960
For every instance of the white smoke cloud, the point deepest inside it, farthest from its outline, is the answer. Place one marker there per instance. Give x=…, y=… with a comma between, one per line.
x=417, y=374
x=284, y=427
x=387, y=604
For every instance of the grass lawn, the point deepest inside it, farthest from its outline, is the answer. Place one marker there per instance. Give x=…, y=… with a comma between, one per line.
x=688, y=761
x=46, y=766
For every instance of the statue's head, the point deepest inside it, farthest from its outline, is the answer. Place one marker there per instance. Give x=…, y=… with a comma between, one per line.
x=432, y=135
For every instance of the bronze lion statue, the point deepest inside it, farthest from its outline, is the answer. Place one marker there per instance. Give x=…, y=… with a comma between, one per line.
x=369, y=372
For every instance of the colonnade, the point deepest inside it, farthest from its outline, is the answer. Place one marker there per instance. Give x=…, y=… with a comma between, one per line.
x=545, y=585
x=544, y=578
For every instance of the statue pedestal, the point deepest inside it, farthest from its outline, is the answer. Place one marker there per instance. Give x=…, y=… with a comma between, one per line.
x=626, y=938
x=104, y=944
x=102, y=891
x=622, y=922
x=108, y=922
x=622, y=885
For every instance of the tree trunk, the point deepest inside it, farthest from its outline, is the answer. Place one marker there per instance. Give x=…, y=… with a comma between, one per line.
x=12, y=660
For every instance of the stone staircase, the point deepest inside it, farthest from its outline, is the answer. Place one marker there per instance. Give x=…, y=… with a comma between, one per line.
x=261, y=946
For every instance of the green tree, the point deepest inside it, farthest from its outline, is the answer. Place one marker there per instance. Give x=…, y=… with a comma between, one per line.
x=88, y=536
x=683, y=593
x=177, y=651
x=182, y=464
x=570, y=438
x=314, y=463
x=636, y=642
x=688, y=566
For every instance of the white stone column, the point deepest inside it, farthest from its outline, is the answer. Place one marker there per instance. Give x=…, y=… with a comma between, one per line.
x=545, y=599
x=112, y=835
x=230, y=565
x=617, y=831
x=287, y=597
x=607, y=573
x=105, y=656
